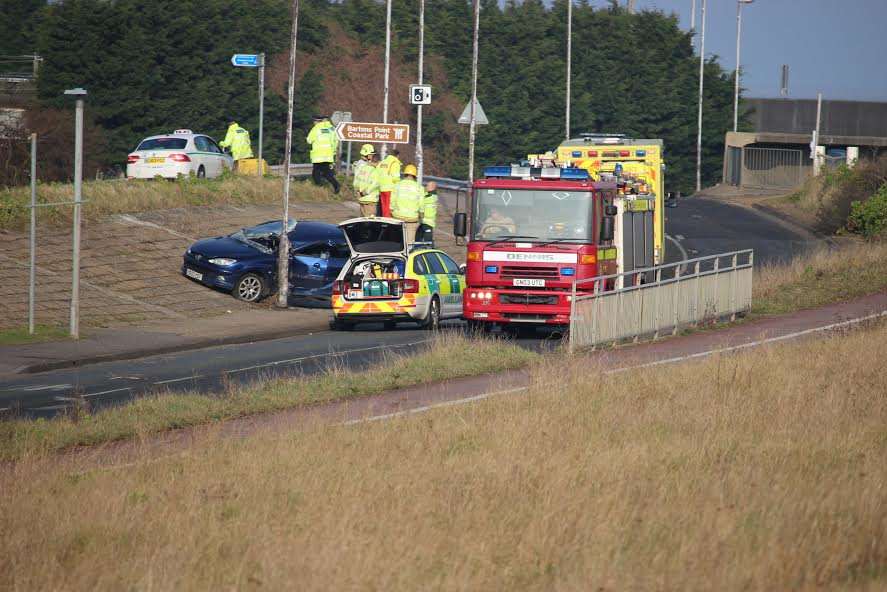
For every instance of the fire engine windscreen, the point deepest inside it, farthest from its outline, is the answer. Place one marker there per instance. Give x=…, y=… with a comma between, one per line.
x=533, y=215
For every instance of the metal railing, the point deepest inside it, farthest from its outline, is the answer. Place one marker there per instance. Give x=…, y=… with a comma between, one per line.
x=661, y=298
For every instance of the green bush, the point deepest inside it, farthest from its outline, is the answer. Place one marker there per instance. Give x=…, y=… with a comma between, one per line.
x=869, y=217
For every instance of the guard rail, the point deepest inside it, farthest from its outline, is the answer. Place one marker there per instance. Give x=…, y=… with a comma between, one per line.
x=661, y=298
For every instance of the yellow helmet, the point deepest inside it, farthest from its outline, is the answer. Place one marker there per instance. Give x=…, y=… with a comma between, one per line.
x=367, y=149
x=410, y=169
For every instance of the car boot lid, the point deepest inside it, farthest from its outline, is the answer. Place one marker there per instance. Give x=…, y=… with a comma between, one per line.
x=375, y=236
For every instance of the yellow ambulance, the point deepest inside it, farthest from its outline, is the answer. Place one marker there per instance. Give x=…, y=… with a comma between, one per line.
x=639, y=168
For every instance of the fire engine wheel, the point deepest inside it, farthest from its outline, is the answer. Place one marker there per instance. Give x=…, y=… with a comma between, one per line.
x=477, y=327
x=431, y=322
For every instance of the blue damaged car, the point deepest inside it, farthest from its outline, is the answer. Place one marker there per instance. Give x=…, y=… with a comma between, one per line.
x=245, y=263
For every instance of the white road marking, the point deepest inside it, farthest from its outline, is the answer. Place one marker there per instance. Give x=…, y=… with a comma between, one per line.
x=425, y=408
x=132, y=220
x=678, y=245
x=741, y=346
x=482, y=396
x=107, y=392
x=171, y=380
x=45, y=387
x=328, y=354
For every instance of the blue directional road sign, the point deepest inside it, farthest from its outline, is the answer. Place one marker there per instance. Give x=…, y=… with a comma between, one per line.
x=245, y=60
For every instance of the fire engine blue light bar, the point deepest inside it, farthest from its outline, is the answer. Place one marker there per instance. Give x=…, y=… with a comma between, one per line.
x=574, y=173
x=568, y=271
x=491, y=269
x=497, y=171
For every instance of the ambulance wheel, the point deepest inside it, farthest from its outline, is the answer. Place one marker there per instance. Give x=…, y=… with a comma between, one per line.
x=340, y=325
x=390, y=325
x=201, y=172
x=431, y=322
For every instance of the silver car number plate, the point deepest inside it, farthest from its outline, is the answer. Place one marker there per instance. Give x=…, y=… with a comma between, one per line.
x=193, y=274
x=529, y=283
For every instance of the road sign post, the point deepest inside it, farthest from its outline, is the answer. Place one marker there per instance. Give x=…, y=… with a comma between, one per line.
x=336, y=118
x=379, y=133
x=261, y=108
x=249, y=60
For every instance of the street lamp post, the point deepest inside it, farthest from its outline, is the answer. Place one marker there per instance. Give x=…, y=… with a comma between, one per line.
x=739, y=4
x=701, y=83
x=283, y=242
x=79, y=93
x=569, y=65
x=387, y=69
x=472, y=127
x=420, y=158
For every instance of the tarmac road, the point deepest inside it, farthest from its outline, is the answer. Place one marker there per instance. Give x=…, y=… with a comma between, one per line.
x=697, y=227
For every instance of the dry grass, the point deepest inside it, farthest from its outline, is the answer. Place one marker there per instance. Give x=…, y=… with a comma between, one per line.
x=821, y=277
x=117, y=197
x=445, y=358
x=762, y=471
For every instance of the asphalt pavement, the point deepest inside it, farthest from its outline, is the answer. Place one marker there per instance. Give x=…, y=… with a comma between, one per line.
x=695, y=228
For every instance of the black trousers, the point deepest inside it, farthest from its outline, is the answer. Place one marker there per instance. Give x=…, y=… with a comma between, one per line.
x=324, y=170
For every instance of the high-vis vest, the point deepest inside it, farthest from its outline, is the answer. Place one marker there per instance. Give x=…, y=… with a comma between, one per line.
x=237, y=139
x=390, y=173
x=323, y=141
x=366, y=181
x=406, y=200
x=429, y=209
x=355, y=169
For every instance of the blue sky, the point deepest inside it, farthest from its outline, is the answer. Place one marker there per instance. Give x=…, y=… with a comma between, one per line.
x=838, y=47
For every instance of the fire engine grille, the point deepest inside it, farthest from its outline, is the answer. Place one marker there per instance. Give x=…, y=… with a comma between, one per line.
x=527, y=299
x=525, y=271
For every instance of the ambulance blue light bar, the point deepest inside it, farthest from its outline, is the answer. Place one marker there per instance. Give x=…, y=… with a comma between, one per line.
x=508, y=172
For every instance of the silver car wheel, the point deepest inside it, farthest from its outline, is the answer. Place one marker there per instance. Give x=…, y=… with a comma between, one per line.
x=249, y=288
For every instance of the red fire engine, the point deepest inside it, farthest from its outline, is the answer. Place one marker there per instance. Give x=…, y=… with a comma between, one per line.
x=533, y=231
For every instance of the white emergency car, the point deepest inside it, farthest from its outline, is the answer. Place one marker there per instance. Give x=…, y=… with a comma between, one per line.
x=180, y=153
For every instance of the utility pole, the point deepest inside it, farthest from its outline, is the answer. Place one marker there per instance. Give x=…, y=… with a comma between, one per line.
x=739, y=4
x=78, y=199
x=387, y=69
x=631, y=6
x=472, y=128
x=32, y=275
x=420, y=157
x=569, y=65
x=261, y=107
x=283, y=243
x=701, y=83
x=693, y=23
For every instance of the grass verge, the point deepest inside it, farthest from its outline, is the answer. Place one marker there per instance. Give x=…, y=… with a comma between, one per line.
x=117, y=197
x=820, y=278
x=20, y=335
x=445, y=358
x=757, y=471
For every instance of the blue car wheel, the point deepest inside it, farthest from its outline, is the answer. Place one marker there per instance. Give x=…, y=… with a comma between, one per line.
x=250, y=288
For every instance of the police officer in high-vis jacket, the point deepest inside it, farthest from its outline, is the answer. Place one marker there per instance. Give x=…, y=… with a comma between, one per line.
x=428, y=215
x=323, y=141
x=237, y=140
x=406, y=201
